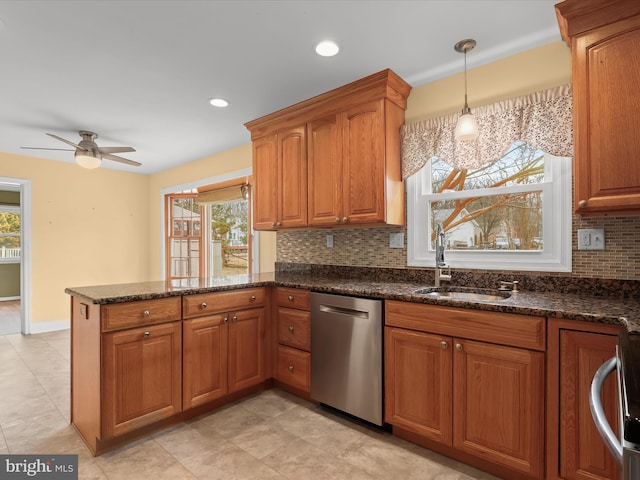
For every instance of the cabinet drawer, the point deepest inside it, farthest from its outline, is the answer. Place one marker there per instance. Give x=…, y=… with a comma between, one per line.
x=294, y=328
x=136, y=314
x=208, y=303
x=293, y=298
x=294, y=368
x=504, y=328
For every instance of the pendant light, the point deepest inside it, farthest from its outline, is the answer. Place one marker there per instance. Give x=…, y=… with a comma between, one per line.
x=467, y=127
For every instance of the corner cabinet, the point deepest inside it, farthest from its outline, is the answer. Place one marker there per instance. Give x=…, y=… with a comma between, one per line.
x=603, y=36
x=469, y=384
x=333, y=159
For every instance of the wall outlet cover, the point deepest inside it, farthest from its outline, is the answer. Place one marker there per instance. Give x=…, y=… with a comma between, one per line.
x=396, y=240
x=591, y=239
x=329, y=241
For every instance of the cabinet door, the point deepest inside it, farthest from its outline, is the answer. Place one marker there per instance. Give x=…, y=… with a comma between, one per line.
x=204, y=359
x=418, y=383
x=246, y=347
x=325, y=172
x=265, y=183
x=606, y=105
x=583, y=455
x=363, y=156
x=498, y=404
x=142, y=380
x=292, y=178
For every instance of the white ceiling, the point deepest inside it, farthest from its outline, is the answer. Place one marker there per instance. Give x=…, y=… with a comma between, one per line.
x=140, y=73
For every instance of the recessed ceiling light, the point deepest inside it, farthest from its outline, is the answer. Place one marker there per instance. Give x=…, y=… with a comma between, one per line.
x=219, y=102
x=327, y=48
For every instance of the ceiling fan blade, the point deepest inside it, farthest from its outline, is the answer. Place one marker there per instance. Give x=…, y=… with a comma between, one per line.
x=116, y=149
x=42, y=148
x=66, y=141
x=115, y=158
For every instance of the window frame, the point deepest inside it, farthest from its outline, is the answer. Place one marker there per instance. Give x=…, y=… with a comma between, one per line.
x=556, y=253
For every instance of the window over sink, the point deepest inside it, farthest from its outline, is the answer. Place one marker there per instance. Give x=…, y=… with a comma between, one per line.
x=511, y=214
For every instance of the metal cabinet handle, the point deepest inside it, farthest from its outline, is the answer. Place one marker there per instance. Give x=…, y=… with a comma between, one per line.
x=225, y=319
x=291, y=368
x=337, y=220
x=444, y=345
x=146, y=334
x=290, y=298
x=290, y=328
x=582, y=203
x=253, y=298
x=273, y=224
x=146, y=313
x=234, y=318
x=345, y=219
x=278, y=224
x=203, y=305
x=459, y=347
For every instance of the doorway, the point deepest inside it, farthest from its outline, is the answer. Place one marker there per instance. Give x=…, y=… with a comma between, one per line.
x=15, y=222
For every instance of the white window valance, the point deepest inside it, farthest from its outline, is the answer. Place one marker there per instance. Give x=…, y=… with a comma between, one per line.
x=541, y=119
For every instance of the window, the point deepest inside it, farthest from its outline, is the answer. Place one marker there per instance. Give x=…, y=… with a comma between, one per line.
x=9, y=234
x=208, y=231
x=513, y=214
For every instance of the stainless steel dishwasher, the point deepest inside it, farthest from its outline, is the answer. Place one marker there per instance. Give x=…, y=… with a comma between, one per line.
x=346, y=354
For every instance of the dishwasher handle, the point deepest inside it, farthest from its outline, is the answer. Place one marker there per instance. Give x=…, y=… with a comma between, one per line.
x=344, y=311
x=597, y=410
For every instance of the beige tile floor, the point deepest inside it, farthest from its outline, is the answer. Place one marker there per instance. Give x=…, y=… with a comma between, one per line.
x=272, y=435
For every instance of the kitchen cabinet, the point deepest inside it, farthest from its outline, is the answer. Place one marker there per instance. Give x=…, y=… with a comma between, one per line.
x=293, y=362
x=351, y=156
x=470, y=381
x=575, y=449
x=224, y=343
x=605, y=75
x=280, y=197
x=142, y=377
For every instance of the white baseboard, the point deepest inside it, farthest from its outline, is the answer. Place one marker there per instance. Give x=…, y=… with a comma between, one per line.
x=53, y=326
x=8, y=299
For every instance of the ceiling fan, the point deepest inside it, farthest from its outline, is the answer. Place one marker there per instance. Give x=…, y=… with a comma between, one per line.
x=88, y=154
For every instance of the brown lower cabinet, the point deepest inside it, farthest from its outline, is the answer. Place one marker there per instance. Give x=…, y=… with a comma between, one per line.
x=447, y=383
x=575, y=450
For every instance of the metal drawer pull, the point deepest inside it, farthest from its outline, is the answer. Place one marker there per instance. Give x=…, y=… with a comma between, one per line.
x=459, y=347
x=146, y=313
x=253, y=298
x=235, y=318
x=444, y=344
x=225, y=319
x=146, y=334
x=203, y=305
x=290, y=328
x=290, y=298
x=291, y=368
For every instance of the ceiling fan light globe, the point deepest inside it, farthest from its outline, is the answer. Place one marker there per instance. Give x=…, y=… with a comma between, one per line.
x=467, y=127
x=88, y=160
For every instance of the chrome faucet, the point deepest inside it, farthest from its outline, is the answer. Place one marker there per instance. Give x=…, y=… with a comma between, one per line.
x=440, y=274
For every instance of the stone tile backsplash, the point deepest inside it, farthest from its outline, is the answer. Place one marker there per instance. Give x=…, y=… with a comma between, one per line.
x=369, y=247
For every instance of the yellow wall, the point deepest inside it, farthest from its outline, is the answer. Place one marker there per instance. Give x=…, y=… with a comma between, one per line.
x=211, y=167
x=527, y=72
x=88, y=227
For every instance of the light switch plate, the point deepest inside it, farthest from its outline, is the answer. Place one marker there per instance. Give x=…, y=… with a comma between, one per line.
x=396, y=240
x=591, y=239
x=329, y=241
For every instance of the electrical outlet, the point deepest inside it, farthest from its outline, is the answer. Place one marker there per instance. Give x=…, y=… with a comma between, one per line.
x=591, y=239
x=396, y=240
x=329, y=241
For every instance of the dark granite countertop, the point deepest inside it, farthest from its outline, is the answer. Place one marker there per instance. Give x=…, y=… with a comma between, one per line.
x=588, y=308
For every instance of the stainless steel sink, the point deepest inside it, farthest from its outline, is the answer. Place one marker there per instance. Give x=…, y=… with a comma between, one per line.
x=471, y=294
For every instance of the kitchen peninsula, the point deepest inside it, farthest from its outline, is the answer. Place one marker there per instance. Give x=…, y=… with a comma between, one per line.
x=146, y=355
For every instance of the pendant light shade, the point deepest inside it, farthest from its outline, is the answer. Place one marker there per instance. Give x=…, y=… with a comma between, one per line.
x=467, y=127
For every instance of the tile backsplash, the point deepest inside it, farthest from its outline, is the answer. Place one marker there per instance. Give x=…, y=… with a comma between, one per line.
x=369, y=247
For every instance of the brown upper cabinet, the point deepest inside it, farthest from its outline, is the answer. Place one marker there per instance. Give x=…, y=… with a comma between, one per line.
x=333, y=159
x=603, y=35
